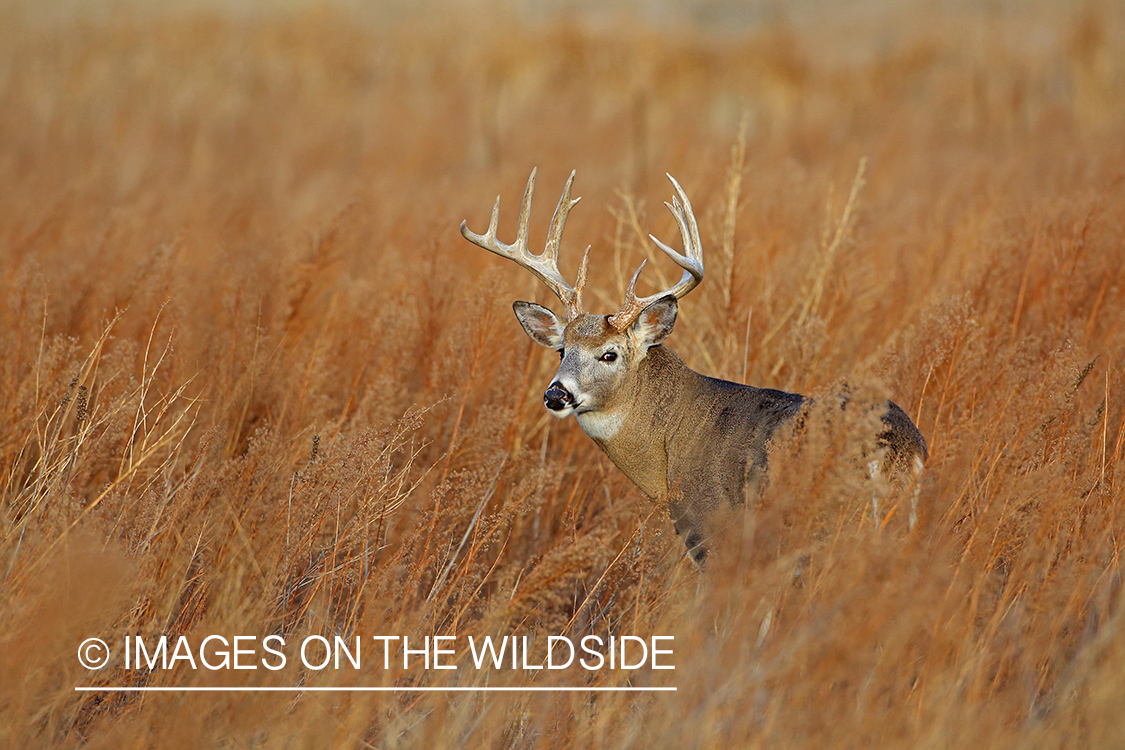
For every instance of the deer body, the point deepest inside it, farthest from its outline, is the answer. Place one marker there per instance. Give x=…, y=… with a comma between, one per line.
x=696, y=443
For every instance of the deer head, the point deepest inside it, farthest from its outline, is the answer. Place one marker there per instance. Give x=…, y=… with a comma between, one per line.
x=600, y=354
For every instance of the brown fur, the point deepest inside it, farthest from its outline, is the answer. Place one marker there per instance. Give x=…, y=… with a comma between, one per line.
x=697, y=443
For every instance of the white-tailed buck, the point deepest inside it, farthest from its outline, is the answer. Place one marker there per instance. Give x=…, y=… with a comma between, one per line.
x=694, y=442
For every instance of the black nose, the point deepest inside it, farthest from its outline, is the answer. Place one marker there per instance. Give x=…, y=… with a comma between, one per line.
x=557, y=397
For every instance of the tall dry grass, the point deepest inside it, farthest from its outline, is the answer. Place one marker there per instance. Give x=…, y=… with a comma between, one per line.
x=254, y=382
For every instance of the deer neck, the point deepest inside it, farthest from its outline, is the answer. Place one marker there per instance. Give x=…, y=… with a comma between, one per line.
x=634, y=430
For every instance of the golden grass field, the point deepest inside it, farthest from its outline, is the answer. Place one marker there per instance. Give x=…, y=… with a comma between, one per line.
x=254, y=382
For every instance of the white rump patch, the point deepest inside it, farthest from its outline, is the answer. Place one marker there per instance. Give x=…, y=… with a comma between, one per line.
x=600, y=425
x=873, y=471
x=918, y=468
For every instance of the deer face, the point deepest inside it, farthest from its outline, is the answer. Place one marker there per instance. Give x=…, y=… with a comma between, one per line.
x=598, y=362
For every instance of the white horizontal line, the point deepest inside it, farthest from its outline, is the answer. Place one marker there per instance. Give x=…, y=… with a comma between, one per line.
x=565, y=689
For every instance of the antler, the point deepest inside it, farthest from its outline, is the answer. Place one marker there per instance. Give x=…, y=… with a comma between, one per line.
x=692, y=264
x=546, y=265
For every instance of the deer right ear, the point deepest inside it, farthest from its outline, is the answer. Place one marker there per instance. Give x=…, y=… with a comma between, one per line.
x=655, y=322
x=542, y=325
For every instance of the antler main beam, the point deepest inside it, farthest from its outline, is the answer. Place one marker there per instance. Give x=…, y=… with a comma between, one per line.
x=692, y=263
x=545, y=266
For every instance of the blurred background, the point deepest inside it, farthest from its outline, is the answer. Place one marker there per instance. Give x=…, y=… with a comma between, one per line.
x=254, y=381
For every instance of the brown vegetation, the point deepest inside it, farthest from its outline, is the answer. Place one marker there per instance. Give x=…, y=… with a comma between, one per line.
x=253, y=381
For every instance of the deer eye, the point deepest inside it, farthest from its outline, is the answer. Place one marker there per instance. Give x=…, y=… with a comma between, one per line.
x=608, y=357
x=560, y=353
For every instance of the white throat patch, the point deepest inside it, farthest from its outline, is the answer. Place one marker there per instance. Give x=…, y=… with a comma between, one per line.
x=600, y=425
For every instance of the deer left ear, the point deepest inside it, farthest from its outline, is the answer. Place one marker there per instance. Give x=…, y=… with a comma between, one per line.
x=542, y=325
x=655, y=322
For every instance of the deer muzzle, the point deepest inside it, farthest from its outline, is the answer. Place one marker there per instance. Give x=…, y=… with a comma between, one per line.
x=557, y=398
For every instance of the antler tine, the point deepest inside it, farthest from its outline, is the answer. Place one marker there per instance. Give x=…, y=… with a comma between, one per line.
x=544, y=266
x=695, y=252
x=580, y=283
x=558, y=220
x=525, y=215
x=691, y=262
